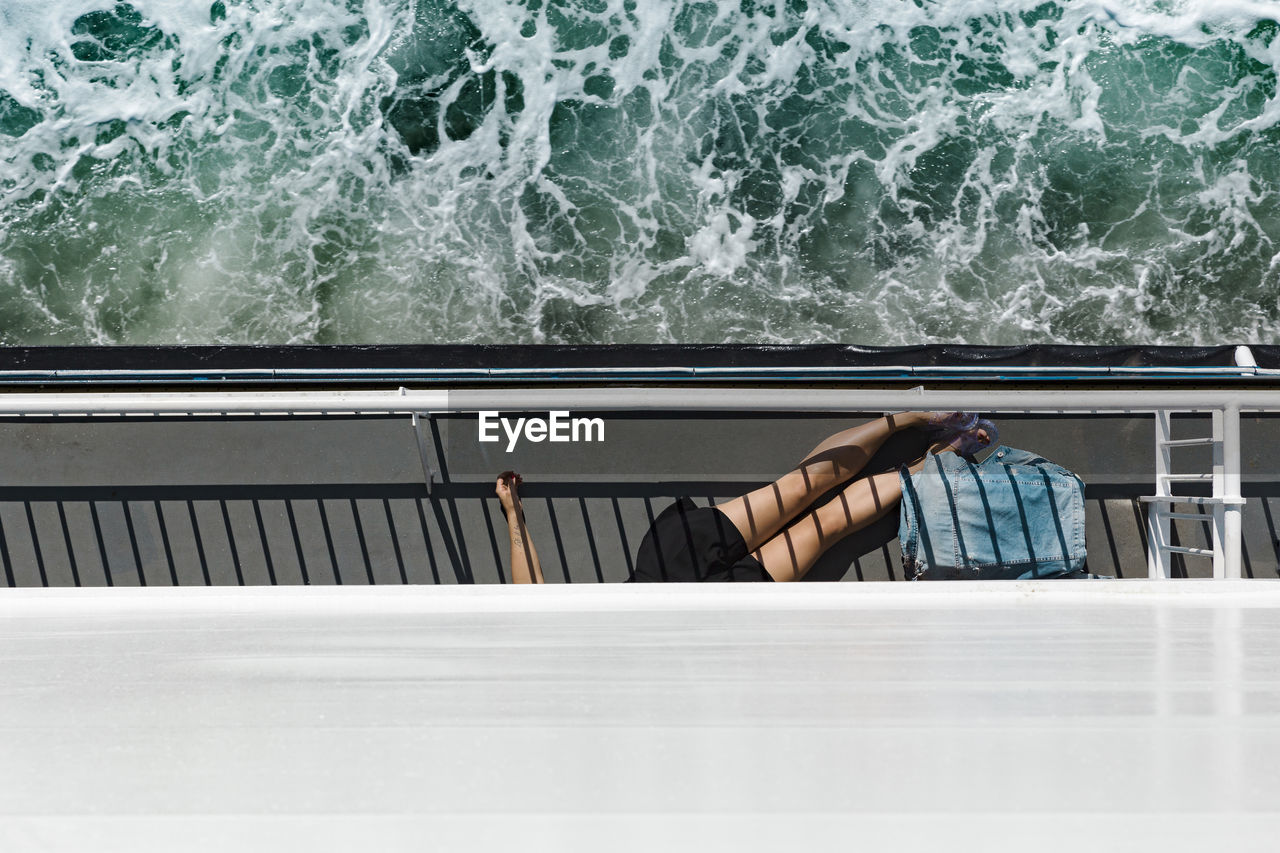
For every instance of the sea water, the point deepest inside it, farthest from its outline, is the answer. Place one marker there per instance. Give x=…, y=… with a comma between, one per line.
x=590, y=171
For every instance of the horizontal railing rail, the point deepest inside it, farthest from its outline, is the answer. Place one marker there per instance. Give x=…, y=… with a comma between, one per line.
x=1243, y=369
x=518, y=399
x=250, y=376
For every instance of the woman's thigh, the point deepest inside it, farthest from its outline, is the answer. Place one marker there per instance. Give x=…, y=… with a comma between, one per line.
x=790, y=554
x=761, y=513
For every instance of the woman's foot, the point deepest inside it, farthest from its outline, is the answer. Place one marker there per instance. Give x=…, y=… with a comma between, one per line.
x=984, y=434
x=981, y=435
x=949, y=423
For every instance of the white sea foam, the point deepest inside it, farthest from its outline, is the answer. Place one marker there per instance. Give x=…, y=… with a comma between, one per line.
x=880, y=172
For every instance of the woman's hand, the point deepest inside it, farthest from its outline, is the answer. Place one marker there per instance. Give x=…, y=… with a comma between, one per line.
x=505, y=489
x=525, y=567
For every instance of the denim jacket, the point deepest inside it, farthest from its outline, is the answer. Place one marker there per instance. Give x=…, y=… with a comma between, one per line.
x=1013, y=515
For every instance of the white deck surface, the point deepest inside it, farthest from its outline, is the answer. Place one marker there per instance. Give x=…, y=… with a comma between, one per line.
x=898, y=717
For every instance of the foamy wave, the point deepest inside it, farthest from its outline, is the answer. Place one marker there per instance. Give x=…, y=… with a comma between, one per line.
x=491, y=170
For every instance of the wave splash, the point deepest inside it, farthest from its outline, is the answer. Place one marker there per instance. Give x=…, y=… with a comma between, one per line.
x=590, y=171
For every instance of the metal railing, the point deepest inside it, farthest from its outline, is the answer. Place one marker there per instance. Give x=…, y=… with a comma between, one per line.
x=1225, y=504
x=1224, y=407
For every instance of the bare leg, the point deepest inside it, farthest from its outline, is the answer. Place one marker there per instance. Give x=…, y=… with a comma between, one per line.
x=857, y=435
x=790, y=554
x=760, y=514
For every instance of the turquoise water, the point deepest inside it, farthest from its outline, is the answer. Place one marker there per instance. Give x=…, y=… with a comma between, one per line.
x=592, y=171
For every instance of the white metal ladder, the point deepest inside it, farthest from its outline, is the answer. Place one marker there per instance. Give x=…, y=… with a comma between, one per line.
x=1225, y=502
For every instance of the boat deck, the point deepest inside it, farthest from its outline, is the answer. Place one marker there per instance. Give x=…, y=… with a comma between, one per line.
x=1059, y=716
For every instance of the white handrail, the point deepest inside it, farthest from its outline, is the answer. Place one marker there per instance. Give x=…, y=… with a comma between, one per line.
x=226, y=403
x=770, y=400
x=1083, y=401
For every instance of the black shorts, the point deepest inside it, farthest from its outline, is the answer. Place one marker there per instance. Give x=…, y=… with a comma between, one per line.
x=688, y=543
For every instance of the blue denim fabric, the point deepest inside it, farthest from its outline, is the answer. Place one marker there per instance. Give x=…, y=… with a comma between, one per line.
x=1013, y=515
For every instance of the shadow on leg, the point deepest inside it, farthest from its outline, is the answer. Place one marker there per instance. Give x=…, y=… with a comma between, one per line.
x=789, y=555
x=760, y=514
x=836, y=562
x=867, y=548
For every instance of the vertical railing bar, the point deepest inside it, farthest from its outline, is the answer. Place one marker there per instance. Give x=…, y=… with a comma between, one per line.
x=266, y=546
x=1231, y=508
x=415, y=420
x=1158, y=530
x=591, y=539
x=231, y=543
x=164, y=540
x=1142, y=523
x=493, y=538
x=1177, y=562
x=1218, y=534
x=71, y=548
x=328, y=540
x=8, y=563
x=297, y=542
x=622, y=536
x=460, y=543
x=1271, y=531
x=1210, y=532
x=888, y=562
x=195, y=532
x=364, y=546
x=395, y=541
x=426, y=540
x=457, y=549
x=1109, y=532
x=555, y=531
x=133, y=543
x=102, y=546
x=1246, y=563
x=648, y=509
x=35, y=544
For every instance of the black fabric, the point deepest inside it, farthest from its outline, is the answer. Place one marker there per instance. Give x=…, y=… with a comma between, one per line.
x=516, y=356
x=1266, y=356
x=689, y=544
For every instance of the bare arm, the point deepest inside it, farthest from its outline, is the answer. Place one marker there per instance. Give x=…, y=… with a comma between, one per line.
x=525, y=567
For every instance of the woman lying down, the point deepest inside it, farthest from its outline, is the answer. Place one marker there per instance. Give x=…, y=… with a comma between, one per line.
x=774, y=533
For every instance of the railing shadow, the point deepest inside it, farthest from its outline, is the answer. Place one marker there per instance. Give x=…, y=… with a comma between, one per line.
x=395, y=533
